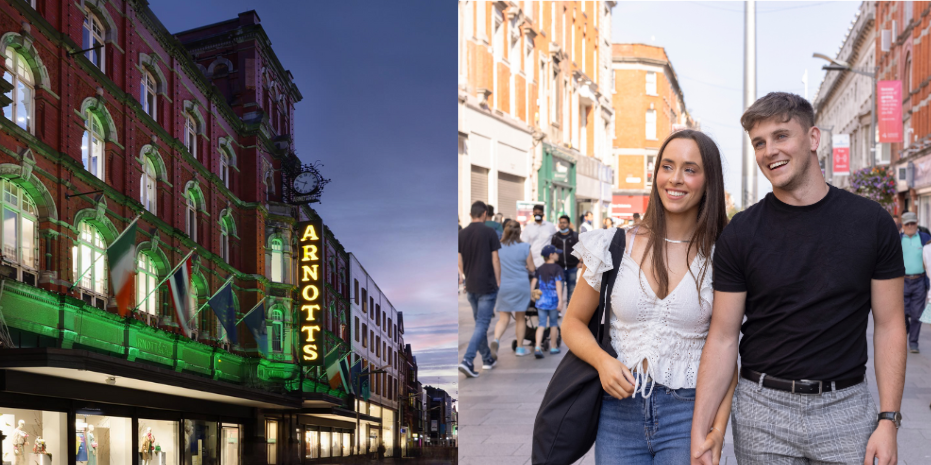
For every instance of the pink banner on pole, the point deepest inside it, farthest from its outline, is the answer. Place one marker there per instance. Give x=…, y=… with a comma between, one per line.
x=841, y=143
x=889, y=110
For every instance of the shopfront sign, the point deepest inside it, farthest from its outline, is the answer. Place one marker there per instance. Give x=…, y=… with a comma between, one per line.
x=841, y=144
x=310, y=295
x=433, y=425
x=889, y=111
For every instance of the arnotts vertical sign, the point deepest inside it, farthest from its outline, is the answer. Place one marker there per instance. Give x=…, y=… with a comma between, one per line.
x=309, y=261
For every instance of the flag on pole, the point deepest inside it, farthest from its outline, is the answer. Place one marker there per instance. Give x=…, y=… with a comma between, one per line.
x=180, y=284
x=355, y=374
x=333, y=372
x=344, y=372
x=365, y=385
x=121, y=259
x=222, y=306
x=255, y=321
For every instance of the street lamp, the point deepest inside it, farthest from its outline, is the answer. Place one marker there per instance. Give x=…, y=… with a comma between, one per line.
x=838, y=65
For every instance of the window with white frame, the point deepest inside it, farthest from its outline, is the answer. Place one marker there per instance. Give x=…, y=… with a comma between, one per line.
x=224, y=240
x=190, y=134
x=147, y=94
x=651, y=83
x=651, y=124
x=191, y=216
x=528, y=58
x=87, y=257
x=19, y=74
x=93, y=36
x=147, y=186
x=277, y=318
x=650, y=166
x=146, y=279
x=497, y=45
x=20, y=235
x=92, y=146
x=277, y=260
x=225, y=168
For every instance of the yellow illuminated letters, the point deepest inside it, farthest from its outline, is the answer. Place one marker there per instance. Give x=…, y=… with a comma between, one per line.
x=309, y=298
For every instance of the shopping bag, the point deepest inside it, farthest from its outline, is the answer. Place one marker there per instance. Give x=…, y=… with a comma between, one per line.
x=926, y=315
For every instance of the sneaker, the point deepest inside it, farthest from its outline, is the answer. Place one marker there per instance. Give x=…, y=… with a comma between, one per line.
x=521, y=351
x=914, y=349
x=537, y=352
x=491, y=364
x=494, y=348
x=554, y=350
x=468, y=369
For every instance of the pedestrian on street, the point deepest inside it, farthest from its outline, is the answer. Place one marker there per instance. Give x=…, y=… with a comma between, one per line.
x=636, y=219
x=586, y=225
x=478, y=261
x=798, y=273
x=565, y=239
x=514, y=295
x=661, y=304
x=607, y=223
x=538, y=234
x=494, y=222
x=916, y=281
x=898, y=223
x=549, y=277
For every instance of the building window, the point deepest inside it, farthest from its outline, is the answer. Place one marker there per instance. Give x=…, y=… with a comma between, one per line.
x=378, y=346
x=93, y=37
x=89, y=266
x=92, y=146
x=271, y=438
x=147, y=186
x=277, y=330
x=365, y=330
x=651, y=124
x=356, y=286
x=225, y=169
x=651, y=83
x=147, y=94
x=277, y=260
x=224, y=241
x=146, y=279
x=356, y=329
x=372, y=310
x=650, y=164
x=190, y=135
x=191, y=217
x=20, y=236
x=23, y=92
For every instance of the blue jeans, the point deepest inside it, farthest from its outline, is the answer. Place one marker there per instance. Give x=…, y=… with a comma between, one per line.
x=915, y=295
x=656, y=430
x=569, y=276
x=483, y=309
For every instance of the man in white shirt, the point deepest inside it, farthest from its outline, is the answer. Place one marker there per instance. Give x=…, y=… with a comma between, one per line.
x=586, y=223
x=538, y=234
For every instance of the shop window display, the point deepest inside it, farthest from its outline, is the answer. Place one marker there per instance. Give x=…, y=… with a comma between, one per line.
x=347, y=444
x=311, y=444
x=32, y=436
x=388, y=424
x=200, y=442
x=336, y=451
x=158, y=442
x=103, y=440
x=324, y=444
x=229, y=445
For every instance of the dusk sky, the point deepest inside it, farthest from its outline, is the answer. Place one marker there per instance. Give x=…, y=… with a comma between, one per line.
x=376, y=79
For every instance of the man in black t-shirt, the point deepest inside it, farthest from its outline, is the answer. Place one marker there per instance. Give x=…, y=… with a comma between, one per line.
x=805, y=266
x=478, y=261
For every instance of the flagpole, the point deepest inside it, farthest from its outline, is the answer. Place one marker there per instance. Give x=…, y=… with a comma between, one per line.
x=170, y=273
x=208, y=300
x=250, y=311
x=76, y=281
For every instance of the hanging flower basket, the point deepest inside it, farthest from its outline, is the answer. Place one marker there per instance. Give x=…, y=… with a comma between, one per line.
x=875, y=183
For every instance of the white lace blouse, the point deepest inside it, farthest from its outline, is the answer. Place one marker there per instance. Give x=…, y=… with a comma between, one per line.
x=667, y=333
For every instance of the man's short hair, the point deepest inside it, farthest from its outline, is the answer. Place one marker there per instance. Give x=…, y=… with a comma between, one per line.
x=478, y=209
x=491, y=210
x=636, y=216
x=781, y=105
x=567, y=218
x=538, y=207
x=587, y=212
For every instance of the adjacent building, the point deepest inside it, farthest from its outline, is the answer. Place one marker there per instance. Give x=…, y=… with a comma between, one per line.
x=439, y=412
x=535, y=113
x=650, y=105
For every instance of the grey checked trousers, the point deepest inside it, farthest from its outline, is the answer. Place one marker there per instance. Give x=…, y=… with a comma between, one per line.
x=774, y=427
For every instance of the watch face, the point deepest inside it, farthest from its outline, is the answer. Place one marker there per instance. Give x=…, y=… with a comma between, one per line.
x=305, y=183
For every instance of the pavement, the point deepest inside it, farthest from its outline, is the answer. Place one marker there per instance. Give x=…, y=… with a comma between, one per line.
x=497, y=409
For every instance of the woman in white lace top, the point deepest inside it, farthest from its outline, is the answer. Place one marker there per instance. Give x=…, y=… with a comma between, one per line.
x=660, y=310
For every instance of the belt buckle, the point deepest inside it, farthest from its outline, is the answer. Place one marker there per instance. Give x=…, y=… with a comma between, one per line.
x=820, y=387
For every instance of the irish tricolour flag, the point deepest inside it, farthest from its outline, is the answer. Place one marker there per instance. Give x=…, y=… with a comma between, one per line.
x=180, y=284
x=121, y=258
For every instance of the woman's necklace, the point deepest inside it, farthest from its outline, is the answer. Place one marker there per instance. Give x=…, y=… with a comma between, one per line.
x=676, y=242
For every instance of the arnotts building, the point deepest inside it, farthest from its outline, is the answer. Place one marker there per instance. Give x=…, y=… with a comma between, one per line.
x=108, y=117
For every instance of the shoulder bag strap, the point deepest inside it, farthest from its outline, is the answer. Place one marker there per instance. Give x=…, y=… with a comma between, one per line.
x=618, y=243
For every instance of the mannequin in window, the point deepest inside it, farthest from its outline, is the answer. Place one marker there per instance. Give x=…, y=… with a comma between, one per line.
x=148, y=445
x=19, y=443
x=81, y=443
x=91, y=446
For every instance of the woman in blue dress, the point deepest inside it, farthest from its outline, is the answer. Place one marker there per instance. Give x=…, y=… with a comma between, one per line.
x=514, y=294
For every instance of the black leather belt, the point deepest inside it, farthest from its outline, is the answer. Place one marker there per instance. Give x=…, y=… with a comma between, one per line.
x=802, y=386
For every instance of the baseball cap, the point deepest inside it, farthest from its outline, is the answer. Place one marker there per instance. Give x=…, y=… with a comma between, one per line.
x=909, y=217
x=549, y=249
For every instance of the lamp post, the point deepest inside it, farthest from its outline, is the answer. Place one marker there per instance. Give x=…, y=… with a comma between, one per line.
x=870, y=72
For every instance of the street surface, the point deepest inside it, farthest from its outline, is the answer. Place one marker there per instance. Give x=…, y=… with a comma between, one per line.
x=497, y=409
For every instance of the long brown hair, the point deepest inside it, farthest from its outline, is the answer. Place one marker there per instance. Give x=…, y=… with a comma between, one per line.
x=511, y=233
x=712, y=212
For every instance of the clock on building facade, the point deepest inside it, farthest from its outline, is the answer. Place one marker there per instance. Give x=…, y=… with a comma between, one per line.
x=303, y=184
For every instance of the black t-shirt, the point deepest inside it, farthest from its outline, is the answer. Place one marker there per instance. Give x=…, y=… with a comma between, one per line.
x=807, y=272
x=476, y=243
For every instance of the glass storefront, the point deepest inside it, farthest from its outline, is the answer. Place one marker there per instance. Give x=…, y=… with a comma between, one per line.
x=158, y=442
x=200, y=442
x=104, y=440
x=32, y=436
x=229, y=445
x=271, y=439
x=325, y=442
x=311, y=444
x=387, y=424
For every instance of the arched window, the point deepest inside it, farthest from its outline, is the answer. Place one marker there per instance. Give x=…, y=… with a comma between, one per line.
x=190, y=134
x=148, y=195
x=147, y=95
x=146, y=279
x=224, y=168
x=19, y=74
x=93, y=36
x=224, y=241
x=277, y=261
x=277, y=330
x=191, y=217
x=20, y=235
x=92, y=146
x=87, y=257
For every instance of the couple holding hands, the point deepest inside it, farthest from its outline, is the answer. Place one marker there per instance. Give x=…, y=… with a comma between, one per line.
x=797, y=273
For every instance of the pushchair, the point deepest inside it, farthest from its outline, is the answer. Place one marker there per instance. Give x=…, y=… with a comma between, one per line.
x=530, y=333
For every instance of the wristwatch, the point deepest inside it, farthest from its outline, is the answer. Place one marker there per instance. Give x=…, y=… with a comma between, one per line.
x=895, y=417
